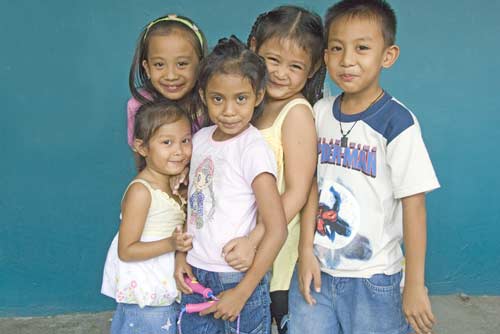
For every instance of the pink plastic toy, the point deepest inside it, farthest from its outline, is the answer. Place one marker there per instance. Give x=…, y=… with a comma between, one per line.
x=198, y=288
x=193, y=308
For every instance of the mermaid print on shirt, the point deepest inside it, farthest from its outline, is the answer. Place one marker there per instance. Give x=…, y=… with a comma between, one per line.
x=203, y=193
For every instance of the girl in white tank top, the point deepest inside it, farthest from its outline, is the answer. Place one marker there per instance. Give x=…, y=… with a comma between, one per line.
x=139, y=269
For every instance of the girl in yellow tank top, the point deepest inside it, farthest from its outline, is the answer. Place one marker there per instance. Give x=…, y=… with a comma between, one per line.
x=290, y=39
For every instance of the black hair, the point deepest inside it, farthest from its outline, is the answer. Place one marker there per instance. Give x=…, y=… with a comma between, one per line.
x=301, y=26
x=138, y=79
x=378, y=9
x=149, y=118
x=231, y=56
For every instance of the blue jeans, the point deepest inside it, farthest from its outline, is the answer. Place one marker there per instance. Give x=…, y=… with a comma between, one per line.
x=131, y=319
x=255, y=317
x=349, y=306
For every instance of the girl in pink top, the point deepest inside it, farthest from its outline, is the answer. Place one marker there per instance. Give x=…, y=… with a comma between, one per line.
x=232, y=176
x=165, y=64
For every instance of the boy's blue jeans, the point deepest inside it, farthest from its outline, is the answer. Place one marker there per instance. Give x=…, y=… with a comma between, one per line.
x=255, y=317
x=349, y=306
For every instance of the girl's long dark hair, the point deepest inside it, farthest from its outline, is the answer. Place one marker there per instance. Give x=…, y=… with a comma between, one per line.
x=140, y=86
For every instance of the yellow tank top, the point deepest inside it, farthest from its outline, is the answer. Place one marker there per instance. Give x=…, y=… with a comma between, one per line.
x=285, y=261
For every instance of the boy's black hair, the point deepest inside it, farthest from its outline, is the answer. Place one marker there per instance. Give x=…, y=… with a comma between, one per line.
x=149, y=118
x=138, y=80
x=231, y=56
x=378, y=9
x=301, y=26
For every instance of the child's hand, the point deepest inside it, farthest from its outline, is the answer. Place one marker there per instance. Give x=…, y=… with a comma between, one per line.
x=417, y=308
x=179, y=180
x=182, y=241
x=228, y=307
x=182, y=268
x=309, y=270
x=239, y=253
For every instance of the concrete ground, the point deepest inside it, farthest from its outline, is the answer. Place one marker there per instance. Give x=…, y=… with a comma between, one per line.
x=455, y=314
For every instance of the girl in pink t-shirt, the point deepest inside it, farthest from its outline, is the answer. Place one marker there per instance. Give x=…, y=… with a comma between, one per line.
x=164, y=67
x=232, y=176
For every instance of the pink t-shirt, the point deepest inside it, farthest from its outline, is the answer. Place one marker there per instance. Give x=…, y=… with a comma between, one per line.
x=221, y=201
x=132, y=107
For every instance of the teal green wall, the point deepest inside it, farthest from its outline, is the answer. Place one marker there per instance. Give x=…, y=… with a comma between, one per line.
x=65, y=162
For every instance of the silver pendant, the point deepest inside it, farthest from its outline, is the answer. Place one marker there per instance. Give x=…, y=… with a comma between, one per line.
x=343, y=141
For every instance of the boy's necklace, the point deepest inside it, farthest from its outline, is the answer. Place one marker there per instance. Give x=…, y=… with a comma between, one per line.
x=344, y=139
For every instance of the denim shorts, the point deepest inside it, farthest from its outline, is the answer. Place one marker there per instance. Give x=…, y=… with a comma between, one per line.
x=255, y=317
x=349, y=306
x=131, y=319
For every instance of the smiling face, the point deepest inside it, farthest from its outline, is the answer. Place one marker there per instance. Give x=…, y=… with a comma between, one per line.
x=169, y=149
x=289, y=66
x=356, y=54
x=230, y=100
x=171, y=64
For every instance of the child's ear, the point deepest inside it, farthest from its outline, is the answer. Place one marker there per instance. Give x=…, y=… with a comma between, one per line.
x=253, y=44
x=139, y=147
x=145, y=67
x=202, y=96
x=391, y=55
x=259, y=96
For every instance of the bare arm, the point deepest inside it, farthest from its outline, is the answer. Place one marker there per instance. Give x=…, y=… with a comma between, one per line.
x=416, y=304
x=274, y=222
x=299, y=150
x=182, y=268
x=135, y=207
x=273, y=219
x=308, y=220
x=239, y=252
x=308, y=266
